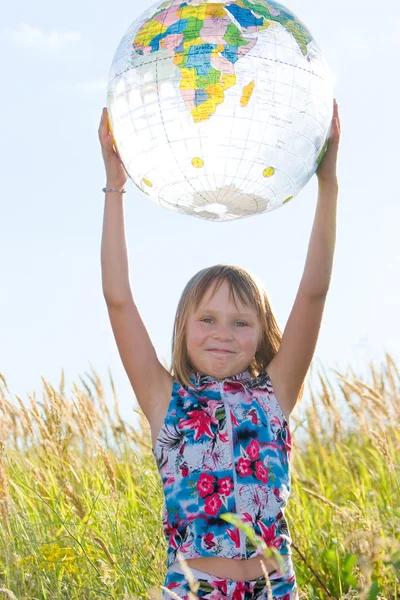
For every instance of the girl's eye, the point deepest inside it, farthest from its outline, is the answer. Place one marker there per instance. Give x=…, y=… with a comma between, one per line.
x=209, y=320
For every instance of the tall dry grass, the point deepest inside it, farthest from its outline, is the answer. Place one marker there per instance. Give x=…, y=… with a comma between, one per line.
x=81, y=500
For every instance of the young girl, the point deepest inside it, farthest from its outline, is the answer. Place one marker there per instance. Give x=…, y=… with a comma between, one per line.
x=219, y=418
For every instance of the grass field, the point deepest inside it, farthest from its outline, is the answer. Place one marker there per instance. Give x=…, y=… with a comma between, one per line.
x=81, y=499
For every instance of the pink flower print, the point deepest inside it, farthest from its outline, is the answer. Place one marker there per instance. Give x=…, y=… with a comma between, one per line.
x=220, y=591
x=225, y=486
x=243, y=467
x=288, y=440
x=277, y=493
x=212, y=406
x=182, y=393
x=205, y=485
x=268, y=534
x=247, y=518
x=254, y=416
x=173, y=584
x=184, y=547
x=173, y=534
x=233, y=386
x=182, y=449
x=253, y=450
x=234, y=420
x=200, y=421
x=276, y=421
x=240, y=589
x=208, y=540
x=235, y=536
x=223, y=586
x=184, y=470
x=261, y=472
x=213, y=503
x=224, y=437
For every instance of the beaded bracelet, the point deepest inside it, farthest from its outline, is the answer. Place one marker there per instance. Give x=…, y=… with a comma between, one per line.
x=121, y=190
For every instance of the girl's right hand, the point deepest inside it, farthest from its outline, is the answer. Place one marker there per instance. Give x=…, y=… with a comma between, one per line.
x=115, y=171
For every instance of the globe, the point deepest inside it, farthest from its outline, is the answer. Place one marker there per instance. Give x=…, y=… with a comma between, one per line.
x=219, y=109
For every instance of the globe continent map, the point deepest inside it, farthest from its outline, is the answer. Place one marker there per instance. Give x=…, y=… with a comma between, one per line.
x=220, y=110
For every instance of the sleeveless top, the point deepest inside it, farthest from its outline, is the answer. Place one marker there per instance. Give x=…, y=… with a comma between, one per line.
x=224, y=446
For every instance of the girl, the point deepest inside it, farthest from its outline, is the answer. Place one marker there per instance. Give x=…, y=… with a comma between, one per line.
x=219, y=418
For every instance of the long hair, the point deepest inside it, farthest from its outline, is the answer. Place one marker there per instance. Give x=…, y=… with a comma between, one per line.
x=250, y=291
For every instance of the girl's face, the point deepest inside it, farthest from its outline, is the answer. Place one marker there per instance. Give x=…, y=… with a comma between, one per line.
x=221, y=338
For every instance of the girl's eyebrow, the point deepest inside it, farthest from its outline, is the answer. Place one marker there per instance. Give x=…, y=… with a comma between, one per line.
x=217, y=312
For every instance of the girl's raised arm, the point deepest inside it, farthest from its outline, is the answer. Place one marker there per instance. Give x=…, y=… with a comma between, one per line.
x=150, y=381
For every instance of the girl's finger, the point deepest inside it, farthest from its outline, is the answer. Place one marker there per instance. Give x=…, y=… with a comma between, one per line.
x=103, y=116
x=103, y=129
x=335, y=132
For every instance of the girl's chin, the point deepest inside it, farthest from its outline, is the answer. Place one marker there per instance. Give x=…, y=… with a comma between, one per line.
x=221, y=366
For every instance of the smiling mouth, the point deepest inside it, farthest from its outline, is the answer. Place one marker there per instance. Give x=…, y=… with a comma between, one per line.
x=220, y=351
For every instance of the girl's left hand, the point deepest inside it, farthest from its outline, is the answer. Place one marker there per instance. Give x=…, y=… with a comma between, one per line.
x=327, y=170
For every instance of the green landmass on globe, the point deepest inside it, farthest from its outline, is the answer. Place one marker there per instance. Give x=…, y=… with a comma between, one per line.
x=205, y=42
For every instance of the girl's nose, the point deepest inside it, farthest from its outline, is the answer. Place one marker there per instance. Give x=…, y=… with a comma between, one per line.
x=223, y=333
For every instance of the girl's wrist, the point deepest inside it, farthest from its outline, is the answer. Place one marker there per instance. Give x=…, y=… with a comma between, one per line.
x=118, y=186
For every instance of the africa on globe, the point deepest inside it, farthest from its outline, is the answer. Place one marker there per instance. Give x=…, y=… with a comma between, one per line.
x=220, y=109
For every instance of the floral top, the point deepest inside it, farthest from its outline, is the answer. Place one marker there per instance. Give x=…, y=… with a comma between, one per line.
x=224, y=447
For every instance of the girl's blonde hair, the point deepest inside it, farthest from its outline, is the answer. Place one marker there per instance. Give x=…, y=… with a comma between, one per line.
x=242, y=286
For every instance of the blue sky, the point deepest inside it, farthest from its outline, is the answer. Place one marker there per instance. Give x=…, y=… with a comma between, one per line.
x=56, y=60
